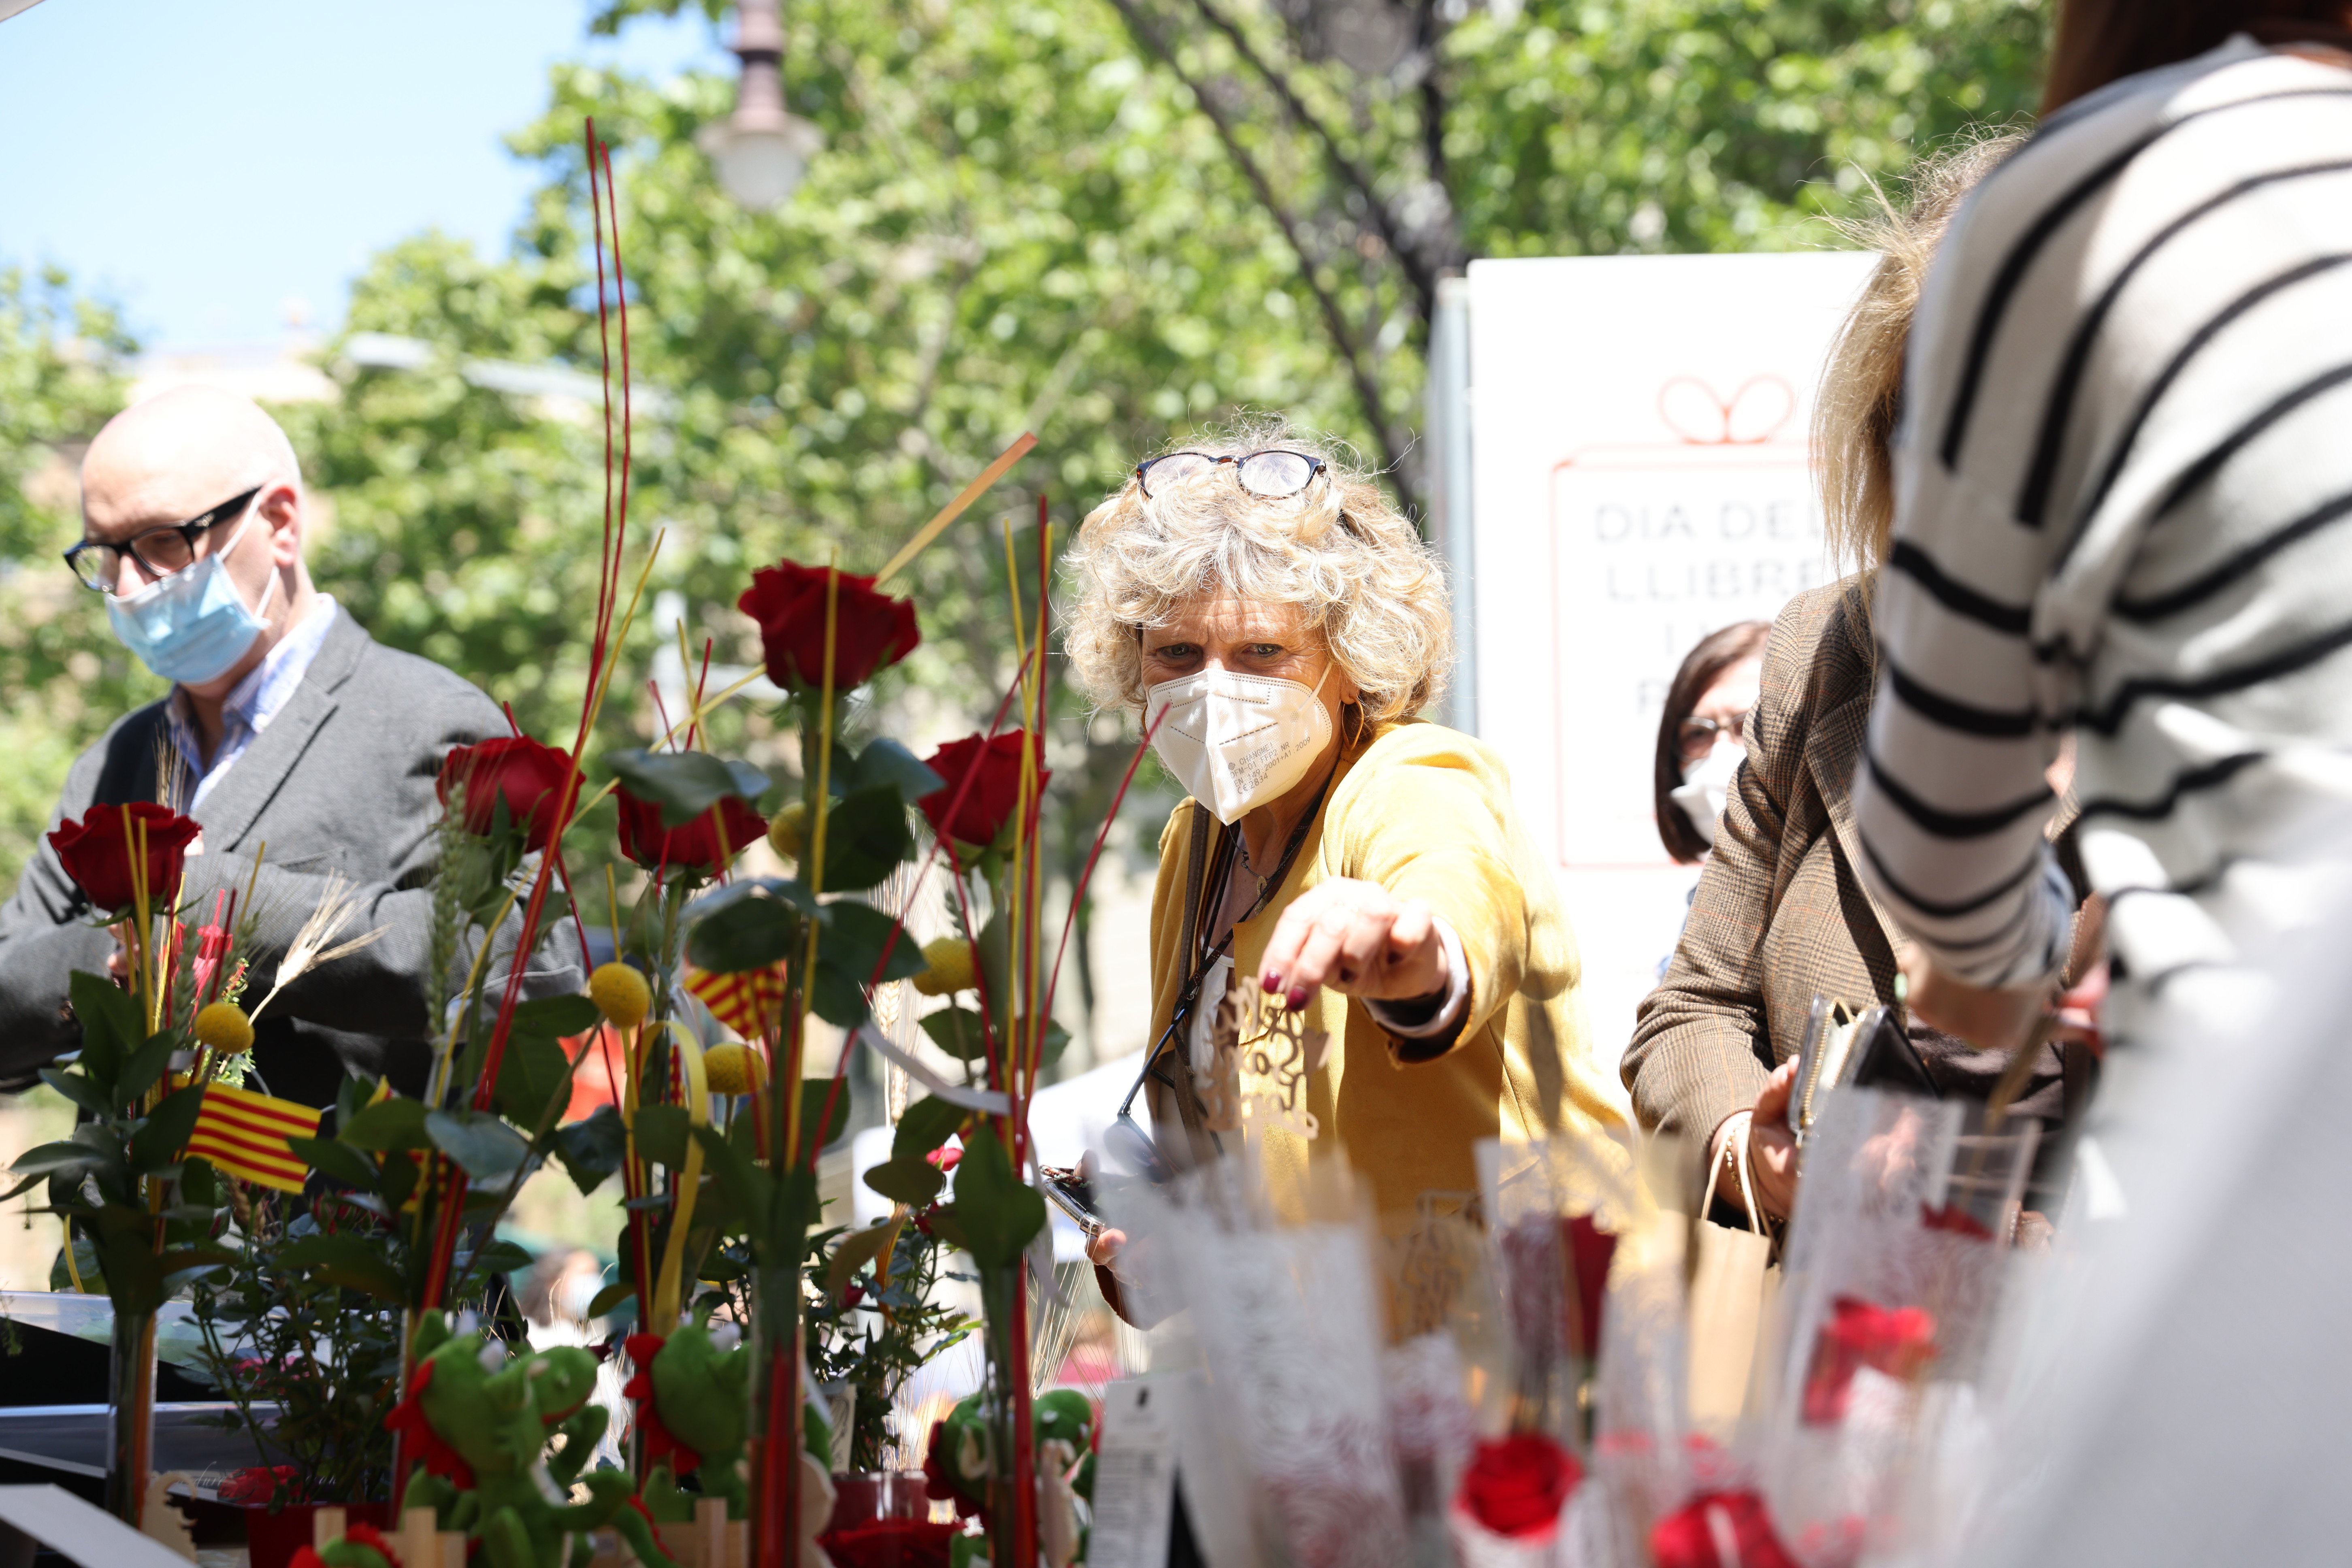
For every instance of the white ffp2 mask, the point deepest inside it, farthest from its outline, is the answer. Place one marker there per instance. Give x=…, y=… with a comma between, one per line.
x=1237, y=742
x=1707, y=786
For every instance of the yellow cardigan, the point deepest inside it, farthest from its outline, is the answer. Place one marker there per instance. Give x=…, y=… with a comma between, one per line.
x=1426, y=812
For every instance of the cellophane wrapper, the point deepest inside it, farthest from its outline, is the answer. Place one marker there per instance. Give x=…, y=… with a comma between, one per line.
x=1892, y=1281
x=1288, y=1321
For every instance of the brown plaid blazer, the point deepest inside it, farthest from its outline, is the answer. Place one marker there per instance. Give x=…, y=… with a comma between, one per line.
x=1779, y=915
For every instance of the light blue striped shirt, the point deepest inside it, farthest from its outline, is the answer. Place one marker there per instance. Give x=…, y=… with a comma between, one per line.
x=251, y=704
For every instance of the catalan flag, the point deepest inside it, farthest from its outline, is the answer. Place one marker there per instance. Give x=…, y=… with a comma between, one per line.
x=748, y=1002
x=245, y=1135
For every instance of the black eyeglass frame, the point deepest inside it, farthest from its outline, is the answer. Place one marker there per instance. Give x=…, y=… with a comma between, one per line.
x=189, y=531
x=1315, y=466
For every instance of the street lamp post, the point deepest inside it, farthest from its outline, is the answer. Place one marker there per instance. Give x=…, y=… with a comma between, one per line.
x=763, y=149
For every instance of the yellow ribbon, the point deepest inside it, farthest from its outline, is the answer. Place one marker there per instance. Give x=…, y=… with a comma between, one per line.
x=666, y=1282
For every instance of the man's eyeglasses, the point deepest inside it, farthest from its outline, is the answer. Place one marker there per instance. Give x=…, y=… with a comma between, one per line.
x=1271, y=474
x=160, y=552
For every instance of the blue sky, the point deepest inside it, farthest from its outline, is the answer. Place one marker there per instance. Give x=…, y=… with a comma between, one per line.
x=203, y=162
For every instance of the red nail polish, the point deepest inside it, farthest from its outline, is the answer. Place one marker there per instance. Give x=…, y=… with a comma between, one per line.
x=1270, y=982
x=1297, y=997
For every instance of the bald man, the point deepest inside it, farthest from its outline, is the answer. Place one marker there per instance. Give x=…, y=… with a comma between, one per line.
x=286, y=726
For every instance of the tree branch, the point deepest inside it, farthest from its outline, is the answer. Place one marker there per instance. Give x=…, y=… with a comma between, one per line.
x=1335, y=321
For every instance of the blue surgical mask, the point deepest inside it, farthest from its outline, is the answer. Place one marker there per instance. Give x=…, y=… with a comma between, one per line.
x=194, y=625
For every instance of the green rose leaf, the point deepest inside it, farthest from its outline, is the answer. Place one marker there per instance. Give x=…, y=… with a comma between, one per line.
x=749, y=924
x=556, y=1017
x=685, y=784
x=885, y=764
x=999, y=1213
x=482, y=1146
x=866, y=836
x=350, y=1261
x=530, y=1074
x=927, y=1123
x=109, y=1027
x=336, y=1161
x=158, y=1144
x=388, y=1124
x=912, y=1180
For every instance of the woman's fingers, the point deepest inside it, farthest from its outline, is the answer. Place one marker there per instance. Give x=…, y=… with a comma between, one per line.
x=1106, y=1245
x=1357, y=937
x=1318, y=956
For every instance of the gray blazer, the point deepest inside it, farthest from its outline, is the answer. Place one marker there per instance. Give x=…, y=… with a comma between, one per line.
x=342, y=780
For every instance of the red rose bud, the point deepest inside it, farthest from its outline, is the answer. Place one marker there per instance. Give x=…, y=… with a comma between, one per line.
x=1860, y=1334
x=991, y=798
x=98, y=854
x=1687, y=1536
x=516, y=769
x=871, y=632
x=945, y=1158
x=1519, y=1486
x=694, y=848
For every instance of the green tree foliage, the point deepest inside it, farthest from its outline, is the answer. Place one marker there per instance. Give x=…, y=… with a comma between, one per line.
x=66, y=677
x=1106, y=221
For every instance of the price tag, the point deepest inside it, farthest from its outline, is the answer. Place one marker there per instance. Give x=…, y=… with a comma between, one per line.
x=1135, y=1474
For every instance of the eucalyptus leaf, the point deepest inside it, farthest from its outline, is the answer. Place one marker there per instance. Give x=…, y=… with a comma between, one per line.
x=750, y=925
x=610, y=1295
x=749, y=1188
x=531, y=1073
x=858, y=1250
x=482, y=1146
x=591, y=1149
x=81, y=1090
x=813, y=1092
x=142, y=1066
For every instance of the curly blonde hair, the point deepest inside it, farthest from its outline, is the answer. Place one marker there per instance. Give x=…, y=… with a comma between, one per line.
x=1363, y=576
x=1861, y=397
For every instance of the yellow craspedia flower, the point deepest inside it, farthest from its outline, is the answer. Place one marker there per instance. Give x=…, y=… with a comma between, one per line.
x=788, y=831
x=224, y=1026
x=620, y=994
x=731, y=1069
x=951, y=967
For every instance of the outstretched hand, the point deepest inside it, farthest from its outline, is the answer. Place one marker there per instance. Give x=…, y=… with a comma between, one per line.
x=1357, y=938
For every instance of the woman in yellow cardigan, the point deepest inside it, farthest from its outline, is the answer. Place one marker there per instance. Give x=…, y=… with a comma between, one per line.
x=1278, y=625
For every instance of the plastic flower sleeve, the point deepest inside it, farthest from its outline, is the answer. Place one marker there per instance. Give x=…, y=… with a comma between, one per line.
x=1893, y=1277
x=1288, y=1321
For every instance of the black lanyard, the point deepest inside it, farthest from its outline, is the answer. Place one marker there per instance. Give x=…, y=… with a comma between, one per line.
x=1215, y=899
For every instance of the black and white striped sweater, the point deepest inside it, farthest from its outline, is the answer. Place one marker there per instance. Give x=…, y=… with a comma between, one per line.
x=2125, y=509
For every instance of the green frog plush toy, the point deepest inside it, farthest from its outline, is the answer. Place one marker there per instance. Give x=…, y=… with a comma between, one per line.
x=480, y=1422
x=694, y=1410
x=960, y=1466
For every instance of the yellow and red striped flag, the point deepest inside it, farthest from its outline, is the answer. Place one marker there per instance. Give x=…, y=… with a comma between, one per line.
x=245, y=1135
x=747, y=1003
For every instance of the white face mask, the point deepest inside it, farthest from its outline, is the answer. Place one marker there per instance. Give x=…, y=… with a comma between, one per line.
x=1707, y=784
x=1237, y=742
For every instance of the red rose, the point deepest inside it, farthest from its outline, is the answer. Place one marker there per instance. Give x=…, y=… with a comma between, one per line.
x=989, y=803
x=871, y=631
x=98, y=854
x=1862, y=1335
x=945, y=1158
x=1685, y=1538
x=1519, y=1486
x=254, y=1484
x=514, y=768
x=695, y=847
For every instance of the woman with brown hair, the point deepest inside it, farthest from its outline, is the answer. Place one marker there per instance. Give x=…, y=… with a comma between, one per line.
x=1780, y=915
x=1703, y=736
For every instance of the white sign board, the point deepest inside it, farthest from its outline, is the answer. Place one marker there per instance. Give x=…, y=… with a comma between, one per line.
x=1642, y=477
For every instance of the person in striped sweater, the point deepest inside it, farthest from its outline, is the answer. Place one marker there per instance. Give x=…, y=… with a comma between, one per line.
x=2123, y=484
